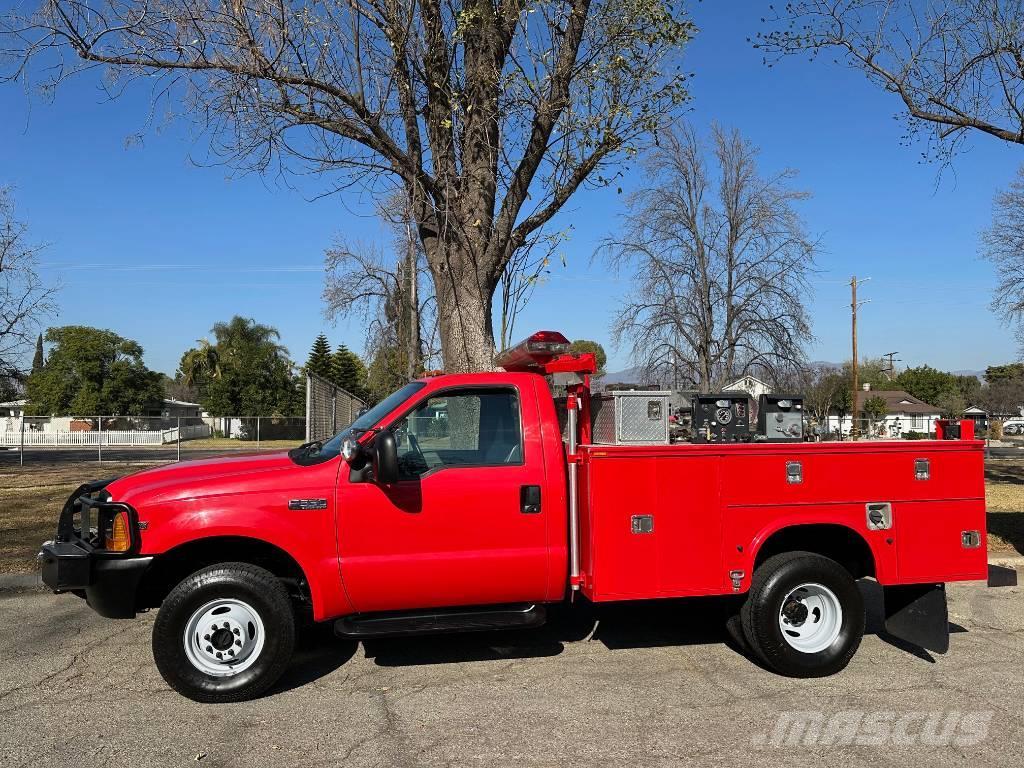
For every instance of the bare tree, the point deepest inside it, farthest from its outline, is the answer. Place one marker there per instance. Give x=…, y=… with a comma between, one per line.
x=1003, y=245
x=1004, y=397
x=525, y=270
x=390, y=293
x=490, y=113
x=721, y=264
x=826, y=391
x=24, y=298
x=957, y=66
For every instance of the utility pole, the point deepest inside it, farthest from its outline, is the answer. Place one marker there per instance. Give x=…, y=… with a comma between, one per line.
x=854, y=304
x=890, y=369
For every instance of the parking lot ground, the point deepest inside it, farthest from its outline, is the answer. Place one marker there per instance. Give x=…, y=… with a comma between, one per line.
x=654, y=684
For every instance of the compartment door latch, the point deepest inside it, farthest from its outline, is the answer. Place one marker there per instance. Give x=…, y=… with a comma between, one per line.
x=642, y=523
x=879, y=515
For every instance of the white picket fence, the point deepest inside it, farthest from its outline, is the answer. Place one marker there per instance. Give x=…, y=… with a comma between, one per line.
x=123, y=437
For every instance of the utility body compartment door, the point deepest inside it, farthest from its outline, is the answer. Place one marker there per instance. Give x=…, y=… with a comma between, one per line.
x=652, y=526
x=940, y=540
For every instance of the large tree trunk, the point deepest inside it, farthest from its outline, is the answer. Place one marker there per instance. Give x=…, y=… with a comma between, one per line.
x=465, y=272
x=464, y=317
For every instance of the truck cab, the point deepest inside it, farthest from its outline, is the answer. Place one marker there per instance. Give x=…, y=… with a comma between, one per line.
x=472, y=501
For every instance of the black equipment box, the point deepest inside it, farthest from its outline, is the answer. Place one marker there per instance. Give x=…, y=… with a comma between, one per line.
x=721, y=418
x=780, y=418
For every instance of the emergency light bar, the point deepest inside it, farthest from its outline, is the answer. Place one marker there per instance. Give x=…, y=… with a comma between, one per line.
x=533, y=352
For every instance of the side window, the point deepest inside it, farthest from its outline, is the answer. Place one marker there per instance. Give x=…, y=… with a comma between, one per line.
x=461, y=428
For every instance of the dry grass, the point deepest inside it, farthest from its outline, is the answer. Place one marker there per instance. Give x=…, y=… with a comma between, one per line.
x=1004, y=493
x=31, y=498
x=231, y=444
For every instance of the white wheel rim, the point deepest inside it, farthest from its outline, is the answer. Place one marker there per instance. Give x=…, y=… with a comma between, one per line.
x=810, y=618
x=224, y=637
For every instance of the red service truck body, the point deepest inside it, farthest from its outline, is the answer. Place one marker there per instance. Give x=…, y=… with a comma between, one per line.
x=395, y=527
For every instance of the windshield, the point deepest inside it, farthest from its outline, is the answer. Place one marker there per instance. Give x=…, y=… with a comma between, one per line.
x=331, y=448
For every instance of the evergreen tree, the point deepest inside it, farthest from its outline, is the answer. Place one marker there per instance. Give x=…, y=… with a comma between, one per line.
x=37, y=359
x=320, y=362
x=386, y=374
x=348, y=372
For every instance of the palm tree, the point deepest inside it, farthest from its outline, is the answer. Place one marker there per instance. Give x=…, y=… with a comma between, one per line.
x=200, y=363
x=241, y=333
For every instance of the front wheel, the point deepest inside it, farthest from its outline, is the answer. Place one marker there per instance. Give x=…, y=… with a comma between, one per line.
x=804, y=615
x=225, y=633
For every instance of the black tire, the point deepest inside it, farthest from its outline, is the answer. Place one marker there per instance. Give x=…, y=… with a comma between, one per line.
x=258, y=589
x=773, y=582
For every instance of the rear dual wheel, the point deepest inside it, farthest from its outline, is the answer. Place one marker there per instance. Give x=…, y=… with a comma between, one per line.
x=225, y=633
x=804, y=615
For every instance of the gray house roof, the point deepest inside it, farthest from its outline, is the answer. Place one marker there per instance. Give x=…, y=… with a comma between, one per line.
x=898, y=401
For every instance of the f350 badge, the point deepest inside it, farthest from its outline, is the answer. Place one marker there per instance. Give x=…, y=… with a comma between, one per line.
x=300, y=504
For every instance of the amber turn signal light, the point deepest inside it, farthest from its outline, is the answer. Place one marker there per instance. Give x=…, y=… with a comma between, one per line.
x=118, y=540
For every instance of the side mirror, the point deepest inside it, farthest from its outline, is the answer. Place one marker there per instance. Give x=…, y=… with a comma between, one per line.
x=385, y=458
x=349, y=449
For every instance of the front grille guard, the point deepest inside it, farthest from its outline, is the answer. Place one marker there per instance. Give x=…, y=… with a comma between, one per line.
x=85, y=514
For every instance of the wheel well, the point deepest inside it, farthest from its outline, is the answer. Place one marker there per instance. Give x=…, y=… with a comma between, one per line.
x=842, y=544
x=169, y=568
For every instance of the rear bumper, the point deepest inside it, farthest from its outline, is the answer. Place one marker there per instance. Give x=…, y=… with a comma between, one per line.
x=77, y=562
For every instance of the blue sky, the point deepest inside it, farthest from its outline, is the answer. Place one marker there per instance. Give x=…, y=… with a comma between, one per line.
x=149, y=244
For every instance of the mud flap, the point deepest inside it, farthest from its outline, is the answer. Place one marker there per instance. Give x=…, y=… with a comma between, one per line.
x=917, y=614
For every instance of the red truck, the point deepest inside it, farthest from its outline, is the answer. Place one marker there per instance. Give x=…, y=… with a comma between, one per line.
x=472, y=501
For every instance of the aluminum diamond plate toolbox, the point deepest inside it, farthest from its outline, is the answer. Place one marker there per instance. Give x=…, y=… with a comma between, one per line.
x=631, y=417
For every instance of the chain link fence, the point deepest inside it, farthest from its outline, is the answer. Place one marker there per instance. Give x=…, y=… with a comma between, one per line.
x=329, y=408
x=24, y=439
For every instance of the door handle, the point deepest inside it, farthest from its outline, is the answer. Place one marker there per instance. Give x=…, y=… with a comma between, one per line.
x=529, y=499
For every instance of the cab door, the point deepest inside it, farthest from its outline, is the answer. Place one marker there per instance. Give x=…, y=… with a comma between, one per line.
x=465, y=524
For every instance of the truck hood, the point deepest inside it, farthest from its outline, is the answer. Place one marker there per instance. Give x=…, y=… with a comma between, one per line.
x=202, y=477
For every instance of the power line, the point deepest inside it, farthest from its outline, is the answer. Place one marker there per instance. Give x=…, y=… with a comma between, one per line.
x=180, y=267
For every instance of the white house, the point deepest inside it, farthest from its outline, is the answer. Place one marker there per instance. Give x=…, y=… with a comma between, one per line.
x=752, y=385
x=171, y=408
x=903, y=413
x=980, y=418
x=13, y=408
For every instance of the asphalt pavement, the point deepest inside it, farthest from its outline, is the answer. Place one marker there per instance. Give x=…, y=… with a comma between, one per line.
x=657, y=684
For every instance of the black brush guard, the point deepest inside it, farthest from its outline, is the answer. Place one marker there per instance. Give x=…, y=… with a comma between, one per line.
x=77, y=561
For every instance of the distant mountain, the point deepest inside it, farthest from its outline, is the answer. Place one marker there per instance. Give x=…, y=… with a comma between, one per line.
x=635, y=375
x=626, y=376
x=980, y=375
x=837, y=366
